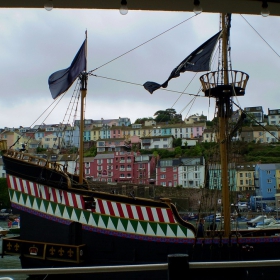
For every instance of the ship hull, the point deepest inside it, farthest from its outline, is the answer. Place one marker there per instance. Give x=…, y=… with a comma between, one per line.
x=67, y=227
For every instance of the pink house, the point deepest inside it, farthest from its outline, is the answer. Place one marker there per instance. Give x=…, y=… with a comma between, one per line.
x=120, y=167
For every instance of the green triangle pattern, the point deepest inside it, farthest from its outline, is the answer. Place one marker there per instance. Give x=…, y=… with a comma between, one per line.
x=92, y=221
x=53, y=206
x=96, y=218
x=61, y=208
x=173, y=228
x=12, y=194
x=39, y=202
x=134, y=225
x=78, y=213
x=17, y=196
x=105, y=219
x=144, y=226
x=87, y=215
x=69, y=210
x=115, y=221
x=24, y=197
x=163, y=227
x=154, y=227
x=31, y=200
x=46, y=203
x=124, y=223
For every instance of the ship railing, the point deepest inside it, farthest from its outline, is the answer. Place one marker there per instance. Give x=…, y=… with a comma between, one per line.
x=177, y=265
x=3, y=145
x=214, y=79
x=35, y=160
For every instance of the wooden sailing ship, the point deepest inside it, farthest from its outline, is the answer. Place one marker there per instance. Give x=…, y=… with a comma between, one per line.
x=78, y=226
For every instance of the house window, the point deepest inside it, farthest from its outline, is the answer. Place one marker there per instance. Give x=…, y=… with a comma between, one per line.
x=162, y=176
x=268, y=180
x=163, y=184
x=268, y=172
x=174, y=169
x=241, y=182
x=241, y=175
x=175, y=176
x=163, y=170
x=87, y=164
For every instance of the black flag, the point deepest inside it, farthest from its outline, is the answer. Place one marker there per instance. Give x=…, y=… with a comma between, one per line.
x=197, y=61
x=62, y=80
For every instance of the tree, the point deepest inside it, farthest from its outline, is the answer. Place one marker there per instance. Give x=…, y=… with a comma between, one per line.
x=168, y=115
x=142, y=120
x=91, y=152
x=178, y=151
x=162, y=116
x=177, y=142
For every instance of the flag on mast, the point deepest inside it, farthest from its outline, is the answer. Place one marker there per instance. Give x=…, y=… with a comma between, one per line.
x=61, y=81
x=197, y=61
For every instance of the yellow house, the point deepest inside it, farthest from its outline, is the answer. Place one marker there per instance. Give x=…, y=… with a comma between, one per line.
x=95, y=133
x=245, y=177
x=14, y=139
x=50, y=142
x=277, y=175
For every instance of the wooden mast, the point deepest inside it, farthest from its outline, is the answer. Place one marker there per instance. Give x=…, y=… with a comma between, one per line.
x=224, y=113
x=223, y=85
x=82, y=117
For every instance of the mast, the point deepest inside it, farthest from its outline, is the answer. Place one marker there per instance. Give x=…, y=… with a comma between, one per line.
x=223, y=85
x=223, y=115
x=82, y=117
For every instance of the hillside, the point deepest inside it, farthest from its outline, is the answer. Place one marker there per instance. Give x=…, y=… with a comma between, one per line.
x=239, y=152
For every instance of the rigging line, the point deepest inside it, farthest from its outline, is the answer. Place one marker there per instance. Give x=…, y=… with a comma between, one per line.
x=56, y=100
x=183, y=92
x=142, y=44
x=254, y=119
x=117, y=80
x=260, y=35
x=69, y=112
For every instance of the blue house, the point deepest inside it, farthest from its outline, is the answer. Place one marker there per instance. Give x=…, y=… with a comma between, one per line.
x=265, y=181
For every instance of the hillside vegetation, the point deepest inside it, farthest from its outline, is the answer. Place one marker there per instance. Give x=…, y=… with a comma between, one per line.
x=242, y=151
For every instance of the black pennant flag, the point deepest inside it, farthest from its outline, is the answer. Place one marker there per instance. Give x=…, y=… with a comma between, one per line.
x=62, y=80
x=197, y=61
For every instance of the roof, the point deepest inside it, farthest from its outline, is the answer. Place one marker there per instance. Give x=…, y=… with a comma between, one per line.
x=161, y=136
x=89, y=159
x=104, y=156
x=254, y=109
x=267, y=166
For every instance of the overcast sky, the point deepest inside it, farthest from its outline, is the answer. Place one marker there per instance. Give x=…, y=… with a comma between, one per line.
x=35, y=43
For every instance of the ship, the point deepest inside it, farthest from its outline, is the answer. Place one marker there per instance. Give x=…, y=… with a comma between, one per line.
x=66, y=223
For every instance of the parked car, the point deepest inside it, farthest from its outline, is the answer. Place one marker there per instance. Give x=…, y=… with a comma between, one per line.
x=242, y=206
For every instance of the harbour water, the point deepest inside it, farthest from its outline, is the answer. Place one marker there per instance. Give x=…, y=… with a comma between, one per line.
x=9, y=261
